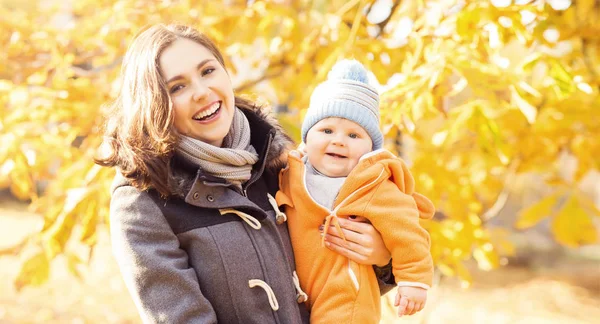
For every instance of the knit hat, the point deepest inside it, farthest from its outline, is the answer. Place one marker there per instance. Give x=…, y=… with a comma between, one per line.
x=346, y=94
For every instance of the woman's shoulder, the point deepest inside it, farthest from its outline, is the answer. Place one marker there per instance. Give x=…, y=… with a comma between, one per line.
x=121, y=186
x=127, y=201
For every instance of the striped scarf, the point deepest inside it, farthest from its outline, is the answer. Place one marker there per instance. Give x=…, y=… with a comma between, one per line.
x=232, y=162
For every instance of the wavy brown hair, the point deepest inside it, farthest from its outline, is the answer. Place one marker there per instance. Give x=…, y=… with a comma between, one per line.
x=140, y=138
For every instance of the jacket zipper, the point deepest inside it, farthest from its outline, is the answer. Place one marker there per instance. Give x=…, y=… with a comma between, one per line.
x=259, y=174
x=244, y=190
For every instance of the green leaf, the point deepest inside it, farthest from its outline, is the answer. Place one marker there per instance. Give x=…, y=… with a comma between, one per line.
x=564, y=80
x=530, y=61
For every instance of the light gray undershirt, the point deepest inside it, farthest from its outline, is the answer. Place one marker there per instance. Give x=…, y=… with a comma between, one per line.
x=321, y=188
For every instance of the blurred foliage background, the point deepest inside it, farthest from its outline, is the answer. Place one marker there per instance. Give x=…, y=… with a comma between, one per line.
x=482, y=98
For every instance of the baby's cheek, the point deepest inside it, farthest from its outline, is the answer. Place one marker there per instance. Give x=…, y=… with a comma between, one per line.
x=353, y=163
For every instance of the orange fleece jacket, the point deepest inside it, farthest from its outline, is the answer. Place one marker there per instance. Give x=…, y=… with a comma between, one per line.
x=381, y=189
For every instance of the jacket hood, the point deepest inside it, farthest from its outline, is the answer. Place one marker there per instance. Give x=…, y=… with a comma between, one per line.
x=380, y=165
x=383, y=165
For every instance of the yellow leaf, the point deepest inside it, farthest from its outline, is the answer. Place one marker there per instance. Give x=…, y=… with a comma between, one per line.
x=528, y=110
x=572, y=226
x=34, y=271
x=22, y=185
x=564, y=80
x=433, y=81
x=73, y=262
x=89, y=220
x=533, y=214
x=486, y=256
x=57, y=234
x=530, y=61
x=529, y=89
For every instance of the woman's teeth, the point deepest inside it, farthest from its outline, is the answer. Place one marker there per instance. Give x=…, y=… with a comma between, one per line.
x=208, y=112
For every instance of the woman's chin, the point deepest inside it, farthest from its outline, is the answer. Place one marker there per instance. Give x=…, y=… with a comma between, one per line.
x=213, y=137
x=213, y=133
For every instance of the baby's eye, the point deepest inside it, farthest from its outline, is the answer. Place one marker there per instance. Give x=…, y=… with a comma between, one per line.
x=327, y=131
x=353, y=135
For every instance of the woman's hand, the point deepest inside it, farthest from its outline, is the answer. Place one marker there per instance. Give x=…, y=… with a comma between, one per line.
x=363, y=244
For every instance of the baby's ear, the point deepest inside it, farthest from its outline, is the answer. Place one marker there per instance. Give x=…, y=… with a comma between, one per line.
x=425, y=206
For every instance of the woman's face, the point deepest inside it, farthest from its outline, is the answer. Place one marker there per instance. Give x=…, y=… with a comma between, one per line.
x=200, y=90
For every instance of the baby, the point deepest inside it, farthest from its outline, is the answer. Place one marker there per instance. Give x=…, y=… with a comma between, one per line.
x=345, y=172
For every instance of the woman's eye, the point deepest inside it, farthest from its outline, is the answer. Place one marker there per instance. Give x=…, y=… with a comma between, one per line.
x=208, y=71
x=176, y=88
x=327, y=131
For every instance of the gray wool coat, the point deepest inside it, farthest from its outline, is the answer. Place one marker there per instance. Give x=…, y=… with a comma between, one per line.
x=184, y=262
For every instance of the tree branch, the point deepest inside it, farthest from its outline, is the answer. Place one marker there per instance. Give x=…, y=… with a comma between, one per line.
x=280, y=66
x=86, y=73
x=503, y=196
x=16, y=249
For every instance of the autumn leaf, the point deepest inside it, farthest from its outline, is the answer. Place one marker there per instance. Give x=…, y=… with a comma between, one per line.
x=34, y=271
x=486, y=257
x=572, y=226
x=528, y=110
x=535, y=213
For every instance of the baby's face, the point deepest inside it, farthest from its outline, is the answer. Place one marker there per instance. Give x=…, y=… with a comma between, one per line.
x=334, y=146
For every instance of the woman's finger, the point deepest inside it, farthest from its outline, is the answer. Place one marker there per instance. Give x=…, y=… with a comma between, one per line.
x=348, y=244
x=355, y=226
x=350, y=236
x=365, y=235
x=358, y=258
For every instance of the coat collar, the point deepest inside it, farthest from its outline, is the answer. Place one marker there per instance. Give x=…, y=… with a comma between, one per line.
x=267, y=137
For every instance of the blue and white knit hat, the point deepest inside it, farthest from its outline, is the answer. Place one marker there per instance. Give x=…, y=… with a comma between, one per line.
x=346, y=94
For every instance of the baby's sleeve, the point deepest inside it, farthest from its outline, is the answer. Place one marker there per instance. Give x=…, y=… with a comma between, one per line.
x=395, y=214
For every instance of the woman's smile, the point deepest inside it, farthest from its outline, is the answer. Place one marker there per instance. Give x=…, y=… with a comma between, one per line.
x=207, y=116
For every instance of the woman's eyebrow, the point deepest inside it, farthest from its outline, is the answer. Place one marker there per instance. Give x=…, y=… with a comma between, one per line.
x=179, y=77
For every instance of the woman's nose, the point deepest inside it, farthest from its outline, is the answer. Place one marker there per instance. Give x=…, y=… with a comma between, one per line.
x=201, y=91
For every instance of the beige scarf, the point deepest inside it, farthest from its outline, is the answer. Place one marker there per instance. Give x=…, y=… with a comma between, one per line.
x=233, y=161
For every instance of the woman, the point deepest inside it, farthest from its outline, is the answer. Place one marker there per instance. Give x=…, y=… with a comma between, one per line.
x=193, y=226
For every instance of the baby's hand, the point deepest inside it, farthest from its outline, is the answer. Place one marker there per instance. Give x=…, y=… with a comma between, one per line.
x=410, y=300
